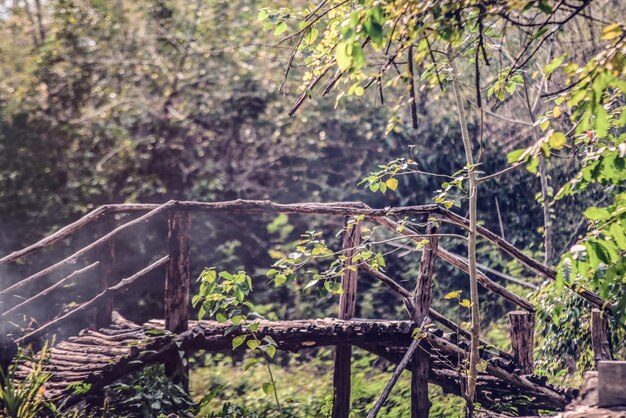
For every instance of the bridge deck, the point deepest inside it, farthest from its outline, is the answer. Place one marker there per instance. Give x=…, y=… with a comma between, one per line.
x=98, y=358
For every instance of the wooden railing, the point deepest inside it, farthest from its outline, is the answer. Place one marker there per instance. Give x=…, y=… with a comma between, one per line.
x=177, y=277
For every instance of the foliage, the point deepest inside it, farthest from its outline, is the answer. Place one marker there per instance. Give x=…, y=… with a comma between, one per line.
x=306, y=386
x=149, y=393
x=23, y=398
x=223, y=296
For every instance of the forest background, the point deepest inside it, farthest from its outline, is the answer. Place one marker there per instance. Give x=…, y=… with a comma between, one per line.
x=146, y=101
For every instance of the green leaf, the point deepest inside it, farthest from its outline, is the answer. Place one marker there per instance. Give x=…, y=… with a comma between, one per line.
x=249, y=363
x=311, y=36
x=533, y=165
x=268, y=388
x=514, y=156
x=597, y=214
x=557, y=140
x=280, y=279
x=600, y=251
x=220, y=317
x=617, y=232
x=343, y=55
x=238, y=340
x=270, y=350
x=281, y=28
x=358, y=58
x=553, y=65
x=601, y=122
x=252, y=344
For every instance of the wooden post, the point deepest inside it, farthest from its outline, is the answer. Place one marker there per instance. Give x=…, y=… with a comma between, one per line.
x=522, y=333
x=420, y=367
x=177, y=272
x=347, y=307
x=106, y=273
x=177, y=289
x=600, y=336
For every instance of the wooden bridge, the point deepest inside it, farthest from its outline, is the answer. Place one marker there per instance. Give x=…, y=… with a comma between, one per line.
x=113, y=346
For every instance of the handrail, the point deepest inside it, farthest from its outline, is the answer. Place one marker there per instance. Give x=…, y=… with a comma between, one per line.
x=247, y=206
x=57, y=236
x=107, y=293
x=49, y=290
x=72, y=258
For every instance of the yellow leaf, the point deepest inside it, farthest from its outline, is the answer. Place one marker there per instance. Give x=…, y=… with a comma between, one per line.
x=556, y=112
x=359, y=91
x=392, y=183
x=557, y=140
x=466, y=303
x=453, y=295
x=611, y=32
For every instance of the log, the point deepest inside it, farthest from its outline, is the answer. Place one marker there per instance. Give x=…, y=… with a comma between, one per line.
x=600, y=336
x=99, y=242
x=420, y=404
x=122, y=286
x=106, y=275
x=522, y=331
x=347, y=309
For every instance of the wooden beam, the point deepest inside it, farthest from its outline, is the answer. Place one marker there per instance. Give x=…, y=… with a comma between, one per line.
x=422, y=297
x=600, y=336
x=394, y=378
x=347, y=309
x=522, y=333
x=459, y=263
x=106, y=274
x=407, y=297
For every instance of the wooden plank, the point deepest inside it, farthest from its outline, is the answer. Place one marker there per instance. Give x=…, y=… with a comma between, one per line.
x=347, y=309
x=106, y=274
x=600, y=336
x=522, y=333
x=422, y=297
x=611, y=383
